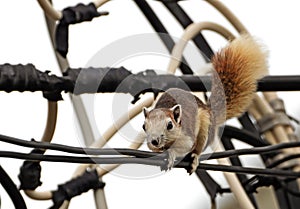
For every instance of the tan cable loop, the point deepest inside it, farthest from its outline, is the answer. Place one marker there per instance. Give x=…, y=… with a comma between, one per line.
x=47, y=137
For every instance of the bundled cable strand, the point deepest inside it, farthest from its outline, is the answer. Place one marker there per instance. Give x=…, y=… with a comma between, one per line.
x=119, y=80
x=149, y=161
x=150, y=158
x=228, y=131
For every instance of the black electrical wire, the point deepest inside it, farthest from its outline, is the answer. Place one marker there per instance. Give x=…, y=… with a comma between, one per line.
x=283, y=160
x=183, y=18
x=145, y=154
x=254, y=150
x=12, y=190
x=147, y=161
x=82, y=160
x=161, y=31
x=76, y=150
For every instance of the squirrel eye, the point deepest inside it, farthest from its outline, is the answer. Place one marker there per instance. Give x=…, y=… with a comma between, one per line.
x=169, y=125
x=144, y=127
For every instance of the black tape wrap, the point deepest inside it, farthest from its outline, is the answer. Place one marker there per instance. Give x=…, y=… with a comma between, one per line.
x=30, y=173
x=28, y=78
x=92, y=80
x=73, y=15
x=89, y=180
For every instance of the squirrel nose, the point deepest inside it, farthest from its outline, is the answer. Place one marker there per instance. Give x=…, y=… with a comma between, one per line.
x=154, y=142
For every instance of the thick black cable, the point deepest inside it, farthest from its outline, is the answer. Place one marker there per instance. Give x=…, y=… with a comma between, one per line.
x=12, y=190
x=211, y=186
x=248, y=124
x=161, y=31
x=107, y=80
x=183, y=18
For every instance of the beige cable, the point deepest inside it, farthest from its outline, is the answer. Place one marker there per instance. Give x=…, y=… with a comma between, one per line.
x=51, y=122
x=49, y=10
x=47, y=137
x=229, y=15
x=190, y=32
x=99, y=3
x=235, y=185
x=54, y=14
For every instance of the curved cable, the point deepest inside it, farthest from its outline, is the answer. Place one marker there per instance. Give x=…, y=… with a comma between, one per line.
x=51, y=122
x=189, y=33
x=237, y=24
x=47, y=137
x=11, y=190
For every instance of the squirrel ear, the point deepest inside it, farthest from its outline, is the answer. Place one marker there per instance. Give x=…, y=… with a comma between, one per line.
x=145, y=111
x=177, y=113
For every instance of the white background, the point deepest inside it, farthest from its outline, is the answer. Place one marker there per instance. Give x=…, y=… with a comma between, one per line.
x=24, y=39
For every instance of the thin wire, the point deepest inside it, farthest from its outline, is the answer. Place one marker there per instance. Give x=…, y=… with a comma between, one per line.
x=147, y=161
x=283, y=160
x=75, y=150
x=144, y=154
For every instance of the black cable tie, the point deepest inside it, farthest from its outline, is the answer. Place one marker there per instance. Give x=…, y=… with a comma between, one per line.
x=89, y=180
x=73, y=15
x=30, y=173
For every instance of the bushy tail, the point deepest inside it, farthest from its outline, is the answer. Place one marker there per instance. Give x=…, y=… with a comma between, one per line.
x=238, y=66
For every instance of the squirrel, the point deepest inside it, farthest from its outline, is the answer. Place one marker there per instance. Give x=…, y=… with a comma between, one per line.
x=180, y=123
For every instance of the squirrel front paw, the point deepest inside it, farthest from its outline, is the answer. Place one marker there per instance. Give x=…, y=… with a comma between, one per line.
x=194, y=164
x=170, y=161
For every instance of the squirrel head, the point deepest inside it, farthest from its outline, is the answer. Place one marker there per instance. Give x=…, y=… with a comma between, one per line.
x=162, y=127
